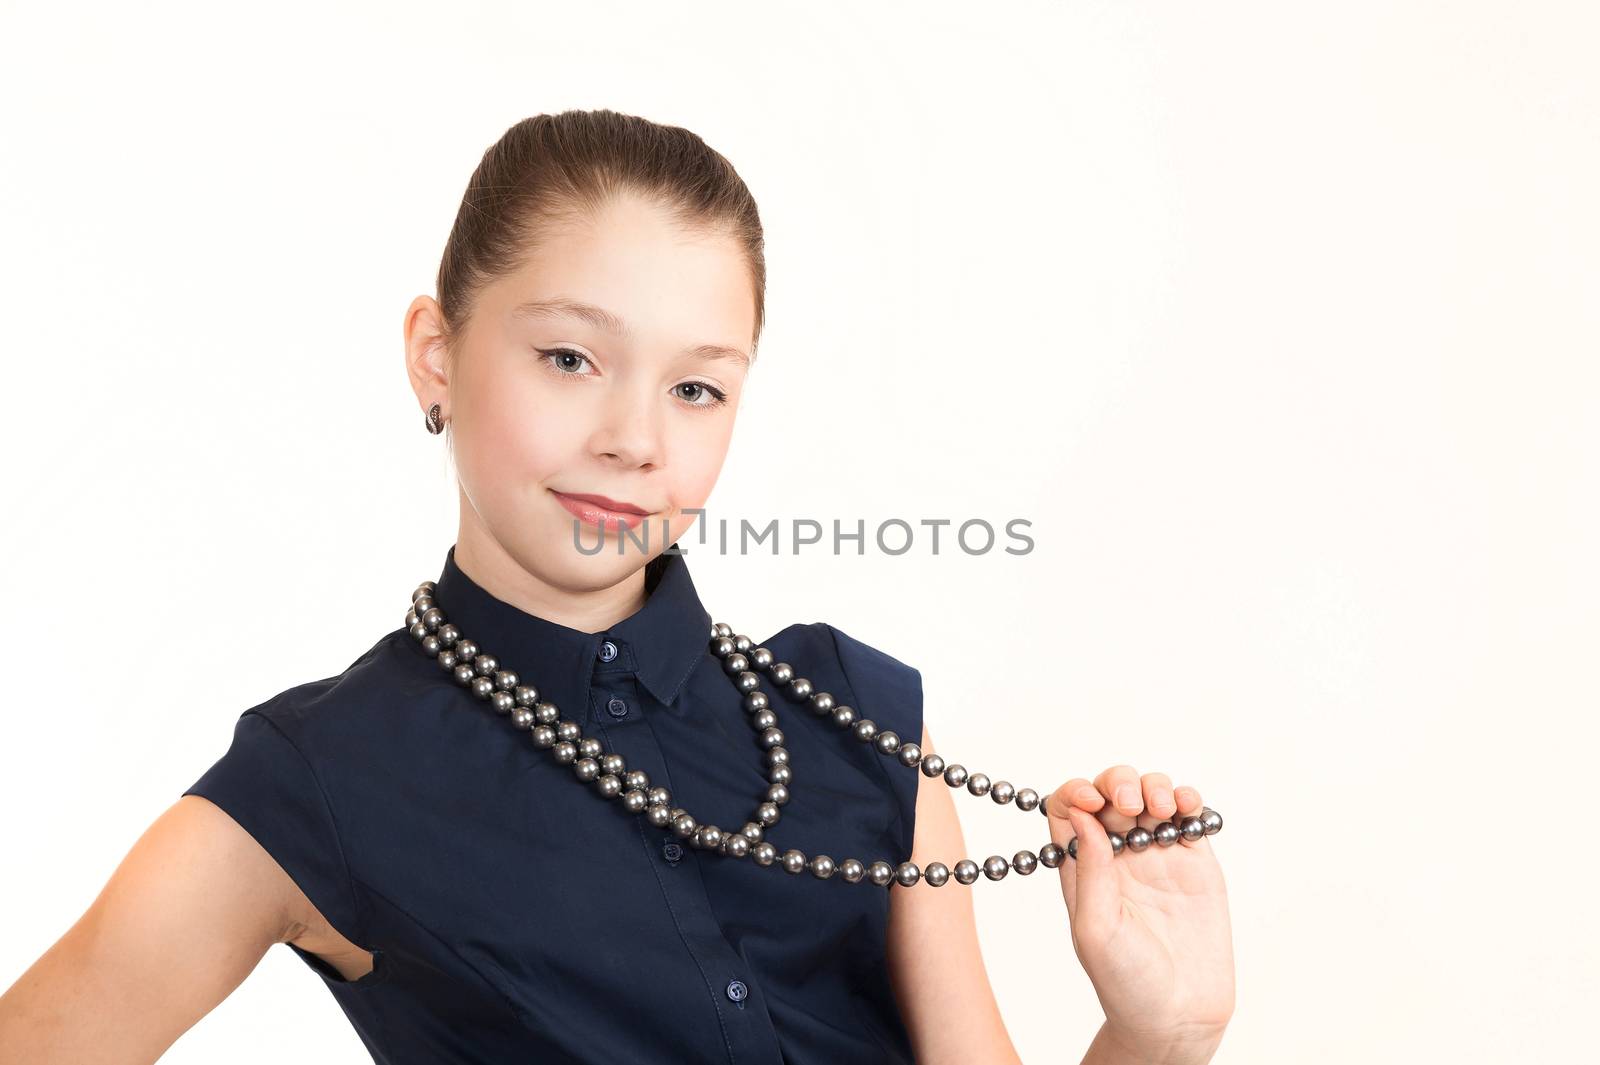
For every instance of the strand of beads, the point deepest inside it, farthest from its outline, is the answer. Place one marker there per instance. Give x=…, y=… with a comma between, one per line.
x=744, y=663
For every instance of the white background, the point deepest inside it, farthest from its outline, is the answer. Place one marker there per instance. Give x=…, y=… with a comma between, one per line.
x=1278, y=321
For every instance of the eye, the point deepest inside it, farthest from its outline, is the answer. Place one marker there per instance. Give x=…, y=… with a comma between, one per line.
x=560, y=360
x=702, y=394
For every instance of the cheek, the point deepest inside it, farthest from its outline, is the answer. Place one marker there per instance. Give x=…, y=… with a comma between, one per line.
x=696, y=462
x=515, y=433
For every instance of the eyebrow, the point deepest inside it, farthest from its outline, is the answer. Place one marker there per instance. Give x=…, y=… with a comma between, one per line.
x=600, y=318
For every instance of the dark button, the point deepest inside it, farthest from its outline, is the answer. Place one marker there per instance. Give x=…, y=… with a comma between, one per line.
x=618, y=707
x=737, y=991
x=672, y=852
x=608, y=651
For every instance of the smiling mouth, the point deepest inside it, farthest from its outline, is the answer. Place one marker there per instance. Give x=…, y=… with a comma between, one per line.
x=601, y=511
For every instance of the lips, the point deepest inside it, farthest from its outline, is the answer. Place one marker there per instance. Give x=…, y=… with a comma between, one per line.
x=601, y=510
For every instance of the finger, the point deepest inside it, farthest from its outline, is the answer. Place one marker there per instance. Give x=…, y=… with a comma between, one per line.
x=1061, y=833
x=1159, y=803
x=1099, y=900
x=1189, y=805
x=1124, y=798
x=1075, y=792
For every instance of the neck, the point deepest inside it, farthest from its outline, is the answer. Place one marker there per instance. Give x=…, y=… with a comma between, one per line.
x=497, y=572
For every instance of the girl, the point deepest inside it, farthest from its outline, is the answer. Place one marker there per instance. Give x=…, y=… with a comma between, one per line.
x=534, y=821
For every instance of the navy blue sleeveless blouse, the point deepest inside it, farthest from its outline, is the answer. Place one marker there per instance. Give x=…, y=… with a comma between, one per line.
x=517, y=915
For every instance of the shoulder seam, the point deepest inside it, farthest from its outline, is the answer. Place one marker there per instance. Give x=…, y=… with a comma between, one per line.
x=363, y=917
x=888, y=781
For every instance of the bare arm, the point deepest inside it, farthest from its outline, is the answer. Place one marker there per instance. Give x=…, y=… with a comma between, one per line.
x=185, y=917
x=935, y=963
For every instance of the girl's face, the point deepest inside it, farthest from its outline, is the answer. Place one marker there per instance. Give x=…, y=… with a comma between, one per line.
x=611, y=364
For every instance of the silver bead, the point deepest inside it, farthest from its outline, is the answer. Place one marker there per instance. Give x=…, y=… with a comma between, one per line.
x=586, y=769
x=955, y=775
x=1117, y=843
x=747, y=682
x=722, y=629
x=416, y=629
x=735, y=663
x=798, y=690
x=778, y=756
x=659, y=816
x=466, y=650
x=996, y=867
x=760, y=658
x=447, y=661
x=978, y=783
x=821, y=704
x=966, y=871
x=780, y=774
x=1211, y=820
x=464, y=673
x=485, y=665
x=482, y=687
x=431, y=645
x=565, y=752
x=635, y=801
x=937, y=874
x=422, y=604
x=865, y=729
x=1072, y=848
x=763, y=719
x=569, y=730
x=660, y=796
x=844, y=716
x=505, y=680
x=1027, y=799
x=431, y=619
x=1166, y=834
x=546, y=713
x=910, y=754
x=613, y=763
x=526, y=694
x=770, y=738
x=822, y=867
x=636, y=779
x=887, y=741
x=767, y=814
x=708, y=837
x=933, y=766
x=502, y=702
x=794, y=861
x=780, y=672
x=742, y=644
x=735, y=845
x=764, y=853
x=449, y=634
x=1002, y=792
x=1051, y=855
x=755, y=701
x=906, y=874
x=880, y=873
x=544, y=737
x=521, y=717
x=589, y=747
x=684, y=825
x=1192, y=829
x=1024, y=862
x=752, y=832
x=608, y=785
x=852, y=870
x=721, y=646
x=778, y=794
x=1138, y=839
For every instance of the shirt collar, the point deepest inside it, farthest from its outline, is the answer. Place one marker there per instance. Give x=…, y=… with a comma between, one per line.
x=661, y=642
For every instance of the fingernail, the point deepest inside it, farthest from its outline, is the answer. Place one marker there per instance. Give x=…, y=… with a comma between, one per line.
x=1088, y=796
x=1127, y=796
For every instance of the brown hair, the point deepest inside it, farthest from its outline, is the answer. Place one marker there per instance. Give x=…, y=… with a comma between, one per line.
x=553, y=169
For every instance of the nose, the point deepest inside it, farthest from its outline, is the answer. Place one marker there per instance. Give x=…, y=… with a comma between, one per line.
x=630, y=428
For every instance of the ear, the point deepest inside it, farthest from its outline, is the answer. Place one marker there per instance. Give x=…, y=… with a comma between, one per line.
x=427, y=359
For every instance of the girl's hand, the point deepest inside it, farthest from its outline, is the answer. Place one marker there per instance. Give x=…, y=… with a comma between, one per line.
x=1151, y=928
